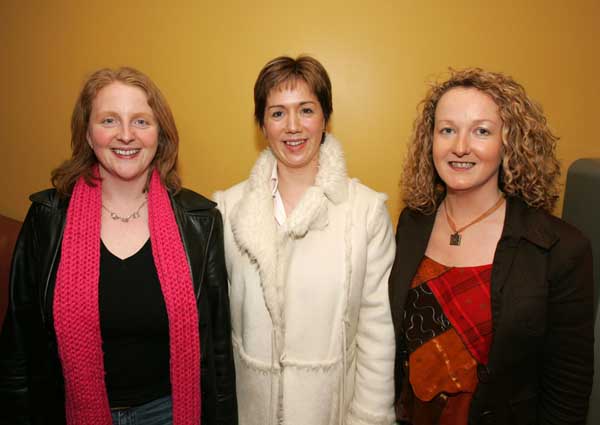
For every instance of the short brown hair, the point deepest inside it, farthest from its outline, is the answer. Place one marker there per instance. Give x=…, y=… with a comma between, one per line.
x=83, y=159
x=285, y=69
x=529, y=166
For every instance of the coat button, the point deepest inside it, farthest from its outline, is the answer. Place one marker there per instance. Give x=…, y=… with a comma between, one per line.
x=487, y=417
x=483, y=373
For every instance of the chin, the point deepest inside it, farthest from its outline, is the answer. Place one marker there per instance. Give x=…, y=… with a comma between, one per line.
x=128, y=177
x=461, y=187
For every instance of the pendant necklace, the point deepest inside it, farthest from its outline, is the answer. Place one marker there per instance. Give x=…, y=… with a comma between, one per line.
x=132, y=216
x=455, y=237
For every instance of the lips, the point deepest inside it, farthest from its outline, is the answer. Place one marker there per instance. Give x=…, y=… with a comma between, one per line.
x=294, y=142
x=463, y=165
x=295, y=145
x=127, y=153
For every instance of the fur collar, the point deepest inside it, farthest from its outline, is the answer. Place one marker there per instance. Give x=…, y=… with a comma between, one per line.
x=255, y=230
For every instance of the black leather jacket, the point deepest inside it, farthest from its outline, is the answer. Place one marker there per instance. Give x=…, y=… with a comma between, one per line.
x=31, y=382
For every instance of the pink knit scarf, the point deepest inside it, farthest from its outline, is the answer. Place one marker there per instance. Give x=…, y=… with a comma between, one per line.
x=77, y=318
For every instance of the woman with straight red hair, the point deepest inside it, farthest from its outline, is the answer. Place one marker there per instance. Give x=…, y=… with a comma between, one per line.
x=119, y=310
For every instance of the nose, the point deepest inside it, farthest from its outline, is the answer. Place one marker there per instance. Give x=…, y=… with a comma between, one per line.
x=293, y=123
x=461, y=145
x=125, y=134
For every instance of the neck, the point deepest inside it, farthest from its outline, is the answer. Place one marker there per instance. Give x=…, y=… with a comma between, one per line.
x=464, y=206
x=293, y=182
x=116, y=191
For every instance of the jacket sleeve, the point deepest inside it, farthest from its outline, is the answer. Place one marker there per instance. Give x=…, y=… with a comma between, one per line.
x=374, y=383
x=216, y=276
x=21, y=318
x=567, y=368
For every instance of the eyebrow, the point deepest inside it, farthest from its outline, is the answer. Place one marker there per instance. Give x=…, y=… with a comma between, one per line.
x=135, y=114
x=305, y=102
x=478, y=121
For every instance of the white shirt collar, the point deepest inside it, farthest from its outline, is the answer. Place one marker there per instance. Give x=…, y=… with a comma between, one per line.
x=278, y=208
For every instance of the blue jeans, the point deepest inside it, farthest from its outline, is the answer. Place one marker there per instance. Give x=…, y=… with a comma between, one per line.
x=156, y=412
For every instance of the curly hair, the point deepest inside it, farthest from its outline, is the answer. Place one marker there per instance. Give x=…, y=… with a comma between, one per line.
x=529, y=167
x=83, y=158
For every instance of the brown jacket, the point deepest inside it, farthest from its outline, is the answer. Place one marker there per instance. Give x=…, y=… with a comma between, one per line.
x=541, y=359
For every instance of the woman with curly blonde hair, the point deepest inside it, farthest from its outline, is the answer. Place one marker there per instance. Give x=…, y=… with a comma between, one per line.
x=491, y=295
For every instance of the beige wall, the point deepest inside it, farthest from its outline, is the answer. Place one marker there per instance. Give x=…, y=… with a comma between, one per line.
x=205, y=56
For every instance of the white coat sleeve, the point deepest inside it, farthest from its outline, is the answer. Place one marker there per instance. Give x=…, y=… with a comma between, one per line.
x=373, y=399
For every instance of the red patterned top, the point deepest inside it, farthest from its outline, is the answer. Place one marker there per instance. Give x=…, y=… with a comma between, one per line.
x=448, y=330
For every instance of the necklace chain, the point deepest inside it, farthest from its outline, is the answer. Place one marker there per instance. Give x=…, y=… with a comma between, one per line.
x=455, y=237
x=132, y=216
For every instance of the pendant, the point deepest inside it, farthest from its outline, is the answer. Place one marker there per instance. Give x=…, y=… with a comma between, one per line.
x=455, y=239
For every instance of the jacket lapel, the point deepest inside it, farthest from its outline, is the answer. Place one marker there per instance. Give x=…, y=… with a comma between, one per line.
x=519, y=225
x=183, y=203
x=412, y=237
x=331, y=185
x=255, y=232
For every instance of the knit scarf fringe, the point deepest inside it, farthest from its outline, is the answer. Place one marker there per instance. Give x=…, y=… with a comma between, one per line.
x=77, y=317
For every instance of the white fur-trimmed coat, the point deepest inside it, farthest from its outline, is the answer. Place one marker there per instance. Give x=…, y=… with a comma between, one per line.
x=309, y=298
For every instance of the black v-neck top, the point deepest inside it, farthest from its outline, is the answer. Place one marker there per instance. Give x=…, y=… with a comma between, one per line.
x=134, y=327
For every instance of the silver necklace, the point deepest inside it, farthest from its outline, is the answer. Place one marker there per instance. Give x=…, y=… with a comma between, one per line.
x=132, y=216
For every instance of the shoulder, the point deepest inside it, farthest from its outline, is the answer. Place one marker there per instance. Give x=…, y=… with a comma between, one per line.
x=46, y=217
x=364, y=198
x=234, y=192
x=411, y=218
x=571, y=245
x=546, y=230
x=49, y=198
x=567, y=233
x=364, y=195
x=370, y=204
x=191, y=202
x=410, y=215
x=48, y=204
x=565, y=246
x=227, y=198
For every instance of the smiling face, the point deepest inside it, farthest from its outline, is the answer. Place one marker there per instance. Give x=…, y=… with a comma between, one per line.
x=294, y=125
x=467, y=141
x=123, y=132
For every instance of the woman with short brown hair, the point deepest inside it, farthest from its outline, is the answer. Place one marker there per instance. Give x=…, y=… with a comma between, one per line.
x=308, y=253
